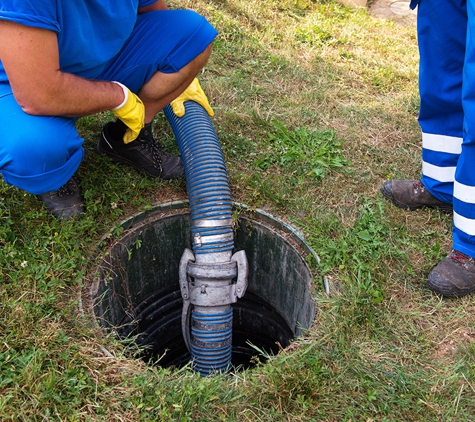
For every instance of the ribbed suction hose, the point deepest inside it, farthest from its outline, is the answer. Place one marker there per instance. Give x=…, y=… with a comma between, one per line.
x=211, y=278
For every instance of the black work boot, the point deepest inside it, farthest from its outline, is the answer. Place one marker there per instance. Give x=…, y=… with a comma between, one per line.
x=145, y=153
x=454, y=276
x=66, y=202
x=412, y=195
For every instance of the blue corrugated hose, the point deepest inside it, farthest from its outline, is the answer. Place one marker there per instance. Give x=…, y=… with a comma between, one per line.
x=212, y=233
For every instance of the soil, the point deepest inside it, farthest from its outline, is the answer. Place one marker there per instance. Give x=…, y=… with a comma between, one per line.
x=396, y=10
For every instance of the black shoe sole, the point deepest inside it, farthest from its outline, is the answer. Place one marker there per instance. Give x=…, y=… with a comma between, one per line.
x=62, y=207
x=440, y=286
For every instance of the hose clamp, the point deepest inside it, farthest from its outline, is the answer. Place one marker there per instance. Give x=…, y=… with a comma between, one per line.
x=199, y=284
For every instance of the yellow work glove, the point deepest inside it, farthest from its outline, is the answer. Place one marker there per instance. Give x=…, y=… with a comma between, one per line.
x=131, y=112
x=193, y=93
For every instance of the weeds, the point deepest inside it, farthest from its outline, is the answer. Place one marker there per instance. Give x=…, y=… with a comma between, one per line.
x=301, y=152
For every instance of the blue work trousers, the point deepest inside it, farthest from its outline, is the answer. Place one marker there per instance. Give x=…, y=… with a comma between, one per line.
x=446, y=31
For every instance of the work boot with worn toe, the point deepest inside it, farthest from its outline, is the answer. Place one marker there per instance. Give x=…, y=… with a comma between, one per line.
x=66, y=202
x=454, y=276
x=145, y=153
x=412, y=195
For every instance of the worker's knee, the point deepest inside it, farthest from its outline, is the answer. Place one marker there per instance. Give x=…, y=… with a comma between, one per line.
x=38, y=147
x=184, y=40
x=36, y=152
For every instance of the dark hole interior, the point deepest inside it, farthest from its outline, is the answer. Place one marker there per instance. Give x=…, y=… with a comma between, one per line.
x=155, y=324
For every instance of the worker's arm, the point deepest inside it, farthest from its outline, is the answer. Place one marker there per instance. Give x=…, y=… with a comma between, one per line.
x=31, y=60
x=158, y=5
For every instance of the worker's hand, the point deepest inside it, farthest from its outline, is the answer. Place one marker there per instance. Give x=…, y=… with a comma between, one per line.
x=132, y=113
x=194, y=93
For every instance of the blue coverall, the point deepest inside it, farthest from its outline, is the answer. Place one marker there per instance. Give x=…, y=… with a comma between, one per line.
x=446, y=30
x=97, y=39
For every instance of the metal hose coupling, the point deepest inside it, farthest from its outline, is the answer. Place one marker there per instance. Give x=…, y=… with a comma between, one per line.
x=208, y=290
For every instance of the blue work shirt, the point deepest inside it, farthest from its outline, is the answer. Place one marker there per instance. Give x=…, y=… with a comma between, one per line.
x=90, y=32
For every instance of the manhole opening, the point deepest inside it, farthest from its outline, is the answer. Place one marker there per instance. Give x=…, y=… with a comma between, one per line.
x=156, y=330
x=135, y=290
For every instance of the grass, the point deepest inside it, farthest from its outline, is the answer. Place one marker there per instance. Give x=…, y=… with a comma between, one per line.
x=316, y=106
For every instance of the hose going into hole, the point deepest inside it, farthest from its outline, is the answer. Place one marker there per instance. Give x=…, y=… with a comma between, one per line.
x=211, y=277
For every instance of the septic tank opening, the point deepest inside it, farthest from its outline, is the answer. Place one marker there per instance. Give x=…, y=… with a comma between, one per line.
x=135, y=288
